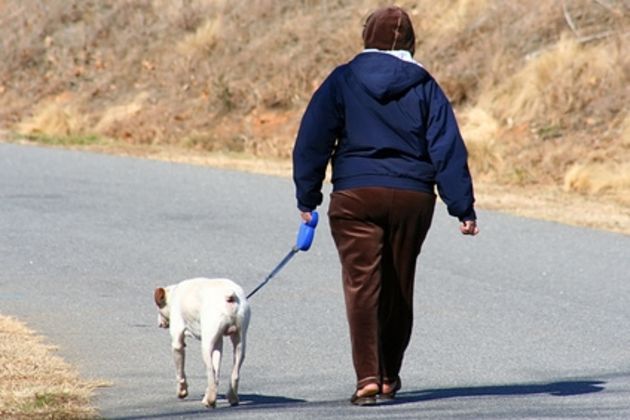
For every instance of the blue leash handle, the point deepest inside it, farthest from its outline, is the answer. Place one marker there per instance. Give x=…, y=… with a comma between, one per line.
x=305, y=237
x=307, y=233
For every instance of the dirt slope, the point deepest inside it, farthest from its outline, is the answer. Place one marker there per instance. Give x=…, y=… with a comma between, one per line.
x=540, y=87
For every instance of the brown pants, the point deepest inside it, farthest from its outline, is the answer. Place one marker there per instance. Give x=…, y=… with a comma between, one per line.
x=378, y=233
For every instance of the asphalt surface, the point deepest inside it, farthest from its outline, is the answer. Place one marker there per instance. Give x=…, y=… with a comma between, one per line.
x=528, y=320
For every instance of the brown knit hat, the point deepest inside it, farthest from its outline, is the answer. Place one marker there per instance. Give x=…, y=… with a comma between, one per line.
x=389, y=28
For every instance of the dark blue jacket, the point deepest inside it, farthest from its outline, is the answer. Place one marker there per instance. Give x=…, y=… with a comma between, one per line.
x=383, y=122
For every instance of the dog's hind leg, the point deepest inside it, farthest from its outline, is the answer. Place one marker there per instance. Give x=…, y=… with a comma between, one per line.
x=238, y=342
x=212, y=349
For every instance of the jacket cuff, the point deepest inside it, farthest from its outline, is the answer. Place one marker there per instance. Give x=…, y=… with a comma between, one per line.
x=304, y=208
x=469, y=216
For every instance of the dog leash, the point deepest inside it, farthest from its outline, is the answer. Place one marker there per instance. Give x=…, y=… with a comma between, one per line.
x=305, y=236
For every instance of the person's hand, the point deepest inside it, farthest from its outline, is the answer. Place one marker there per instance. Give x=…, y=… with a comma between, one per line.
x=306, y=216
x=469, y=227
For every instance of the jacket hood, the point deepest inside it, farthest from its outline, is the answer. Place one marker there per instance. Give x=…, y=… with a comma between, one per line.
x=385, y=76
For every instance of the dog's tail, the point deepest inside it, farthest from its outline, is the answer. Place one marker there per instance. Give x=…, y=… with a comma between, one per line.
x=231, y=298
x=232, y=306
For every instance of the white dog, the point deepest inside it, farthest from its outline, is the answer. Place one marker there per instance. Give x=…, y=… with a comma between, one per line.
x=207, y=309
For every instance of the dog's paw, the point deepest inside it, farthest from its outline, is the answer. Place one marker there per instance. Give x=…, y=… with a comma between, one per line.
x=182, y=390
x=232, y=398
x=208, y=403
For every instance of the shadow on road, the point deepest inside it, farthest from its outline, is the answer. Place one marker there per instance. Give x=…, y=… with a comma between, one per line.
x=560, y=389
x=257, y=399
x=246, y=401
x=255, y=402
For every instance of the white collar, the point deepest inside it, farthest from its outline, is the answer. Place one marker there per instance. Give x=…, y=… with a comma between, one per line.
x=403, y=55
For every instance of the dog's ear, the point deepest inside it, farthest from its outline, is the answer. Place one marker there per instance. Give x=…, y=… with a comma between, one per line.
x=160, y=297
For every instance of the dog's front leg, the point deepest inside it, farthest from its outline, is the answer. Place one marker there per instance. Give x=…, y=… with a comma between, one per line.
x=211, y=350
x=238, y=343
x=179, y=357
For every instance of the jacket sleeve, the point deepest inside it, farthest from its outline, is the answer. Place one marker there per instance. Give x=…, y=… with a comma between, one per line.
x=449, y=156
x=317, y=135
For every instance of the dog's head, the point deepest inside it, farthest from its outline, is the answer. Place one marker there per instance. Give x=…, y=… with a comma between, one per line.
x=161, y=295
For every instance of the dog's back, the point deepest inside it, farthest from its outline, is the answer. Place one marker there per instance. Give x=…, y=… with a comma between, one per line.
x=220, y=302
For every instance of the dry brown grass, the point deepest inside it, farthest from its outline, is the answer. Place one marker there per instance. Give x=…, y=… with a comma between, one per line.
x=54, y=119
x=598, y=178
x=540, y=89
x=36, y=383
x=544, y=88
x=482, y=130
x=203, y=40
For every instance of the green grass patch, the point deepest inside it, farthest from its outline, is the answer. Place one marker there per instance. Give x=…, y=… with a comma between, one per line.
x=70, y=140
x=53, y=405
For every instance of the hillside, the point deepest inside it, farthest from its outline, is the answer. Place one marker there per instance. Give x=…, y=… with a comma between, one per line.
x=540, y=87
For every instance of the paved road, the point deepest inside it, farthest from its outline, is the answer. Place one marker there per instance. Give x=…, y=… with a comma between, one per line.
x=528, y=320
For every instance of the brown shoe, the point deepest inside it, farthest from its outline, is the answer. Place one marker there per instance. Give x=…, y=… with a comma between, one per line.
x=369, y=398
x=391, y=394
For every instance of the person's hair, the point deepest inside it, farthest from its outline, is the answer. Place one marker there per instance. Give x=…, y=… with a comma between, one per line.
x=389, y=28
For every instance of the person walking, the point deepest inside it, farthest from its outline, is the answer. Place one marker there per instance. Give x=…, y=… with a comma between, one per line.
x=391, y=136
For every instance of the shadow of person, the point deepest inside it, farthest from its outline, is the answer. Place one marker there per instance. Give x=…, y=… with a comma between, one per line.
x=559, y=389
